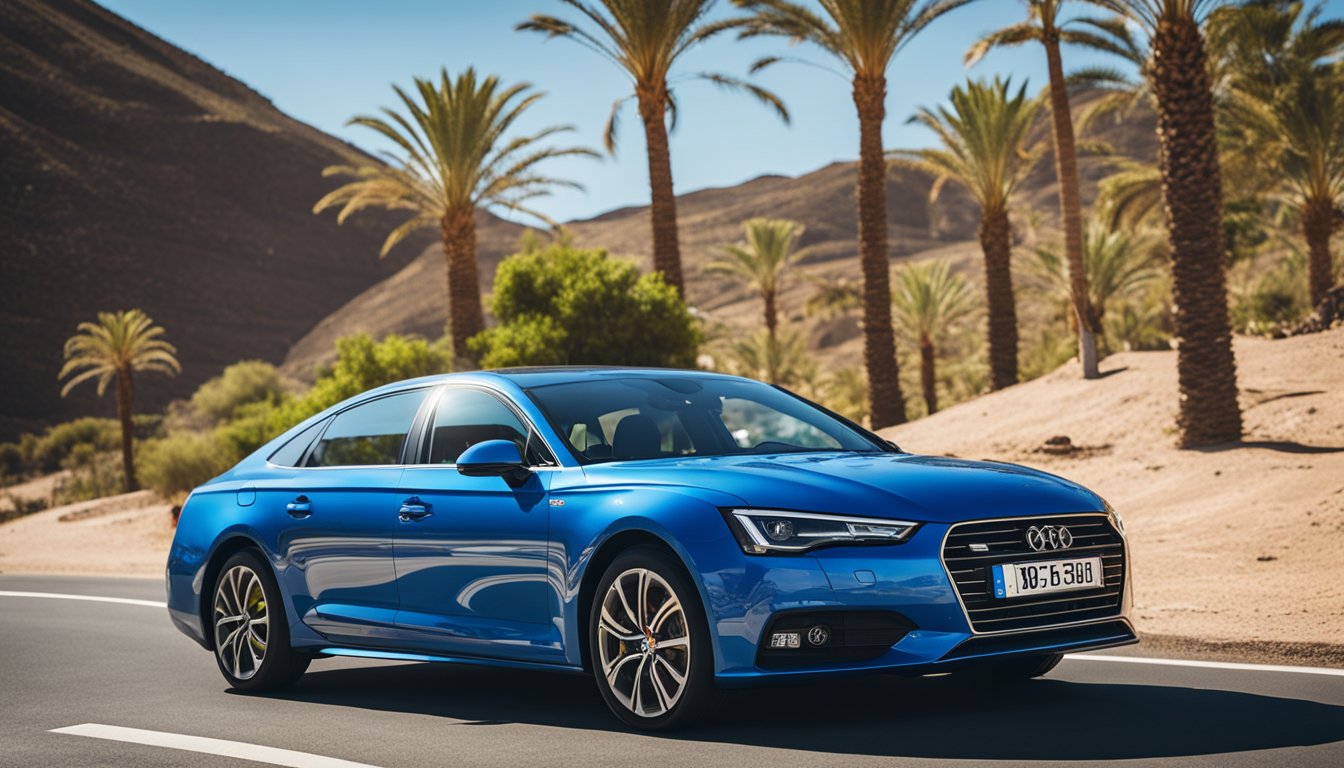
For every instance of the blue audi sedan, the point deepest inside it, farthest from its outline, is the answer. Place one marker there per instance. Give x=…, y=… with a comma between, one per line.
x=670, y=533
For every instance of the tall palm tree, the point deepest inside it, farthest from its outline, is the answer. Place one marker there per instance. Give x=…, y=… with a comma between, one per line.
x=760, y=261
x=116, y=347
x=929, y=301
x=1043, y=25
x=1178, y=73
x=645, y=38
x=864, y=36
x=986, y=147
x=1119, y=261
x=455, y=159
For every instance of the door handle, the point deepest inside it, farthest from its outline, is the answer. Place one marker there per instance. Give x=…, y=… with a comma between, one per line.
x=299, y=507
x=412, y=510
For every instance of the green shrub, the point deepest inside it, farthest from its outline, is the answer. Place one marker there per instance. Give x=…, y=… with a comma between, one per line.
x=176, y=464
x=58, y=443
x=93, y=474
x=251, y=381
x=564, y=305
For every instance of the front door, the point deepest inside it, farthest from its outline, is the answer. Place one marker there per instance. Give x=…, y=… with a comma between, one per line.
x=471, y=551
x=340, y=511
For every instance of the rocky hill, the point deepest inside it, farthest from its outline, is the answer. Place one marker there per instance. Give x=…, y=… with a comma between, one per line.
x=136, y=175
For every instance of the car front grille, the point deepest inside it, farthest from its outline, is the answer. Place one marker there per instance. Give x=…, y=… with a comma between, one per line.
x=1005, y=541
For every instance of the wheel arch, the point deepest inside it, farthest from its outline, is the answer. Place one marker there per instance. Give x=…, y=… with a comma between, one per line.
x=228, y=547
x=606, y=553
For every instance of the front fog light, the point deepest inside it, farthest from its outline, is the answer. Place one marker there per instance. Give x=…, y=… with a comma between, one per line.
x=786, y=640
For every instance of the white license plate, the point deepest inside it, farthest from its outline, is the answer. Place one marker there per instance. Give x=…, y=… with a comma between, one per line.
x=1015, y=579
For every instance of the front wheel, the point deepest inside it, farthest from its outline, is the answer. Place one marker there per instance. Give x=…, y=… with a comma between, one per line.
x=649, y=642
x=251, y=635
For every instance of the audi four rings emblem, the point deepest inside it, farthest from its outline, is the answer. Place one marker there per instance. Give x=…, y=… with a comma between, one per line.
x=1043, y=537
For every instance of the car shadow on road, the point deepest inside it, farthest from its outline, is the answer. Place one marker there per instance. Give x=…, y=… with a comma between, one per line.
x=944, y=717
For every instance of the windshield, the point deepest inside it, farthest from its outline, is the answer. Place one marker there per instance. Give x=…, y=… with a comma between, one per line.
x=648, y=418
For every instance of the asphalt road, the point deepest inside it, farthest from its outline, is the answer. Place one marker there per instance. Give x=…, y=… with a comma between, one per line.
x=66, y=662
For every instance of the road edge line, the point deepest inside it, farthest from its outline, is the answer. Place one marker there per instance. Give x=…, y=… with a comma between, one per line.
x=1327, y=671
x=91, y=598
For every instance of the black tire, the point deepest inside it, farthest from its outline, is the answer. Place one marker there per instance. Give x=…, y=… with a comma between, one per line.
x=697, y=696
x=279, y=664
x=1015, y=669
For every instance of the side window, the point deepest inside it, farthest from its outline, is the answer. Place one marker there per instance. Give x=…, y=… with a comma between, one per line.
x=368, y=434
x=291, y=453
x=465, y=417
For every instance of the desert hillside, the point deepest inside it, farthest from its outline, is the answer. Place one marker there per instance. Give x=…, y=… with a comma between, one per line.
x=1235, y=543
x=136, y=175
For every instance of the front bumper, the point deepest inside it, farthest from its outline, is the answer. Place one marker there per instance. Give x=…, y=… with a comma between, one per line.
x=908, y=580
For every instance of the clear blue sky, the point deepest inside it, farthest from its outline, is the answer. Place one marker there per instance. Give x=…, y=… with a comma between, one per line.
x=322, y=62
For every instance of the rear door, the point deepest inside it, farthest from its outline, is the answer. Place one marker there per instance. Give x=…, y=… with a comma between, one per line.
x=339, y=510
x=471, y=564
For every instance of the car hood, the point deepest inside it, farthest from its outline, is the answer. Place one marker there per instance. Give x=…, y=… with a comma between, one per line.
x=890, y=485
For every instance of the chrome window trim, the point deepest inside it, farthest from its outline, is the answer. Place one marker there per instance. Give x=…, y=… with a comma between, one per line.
x=1120, y=612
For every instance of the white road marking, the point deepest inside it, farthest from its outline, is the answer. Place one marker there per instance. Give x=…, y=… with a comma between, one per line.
x=238, y=749
x=94, y=598
x=1209, y=664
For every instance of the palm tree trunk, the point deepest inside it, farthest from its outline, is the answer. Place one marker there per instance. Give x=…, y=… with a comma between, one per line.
x=1192, y=190
x=996, y=242
x=928, y=373
x=885, y=402
x=125, y=398
x=465, y=318
x=662, y=201
x=1318, y=219
x=771, y=313
x=1070, y=205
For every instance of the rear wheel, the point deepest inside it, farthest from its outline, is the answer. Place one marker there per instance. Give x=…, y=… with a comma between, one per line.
x=649, y=642
x=250, y=632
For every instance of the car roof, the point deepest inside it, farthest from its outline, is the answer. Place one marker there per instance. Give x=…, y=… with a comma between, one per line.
x=560, y=374
x=540, y=376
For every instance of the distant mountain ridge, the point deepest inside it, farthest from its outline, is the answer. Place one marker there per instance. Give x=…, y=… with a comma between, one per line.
x=137, y=175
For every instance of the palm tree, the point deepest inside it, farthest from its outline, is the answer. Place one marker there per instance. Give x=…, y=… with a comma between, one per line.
x=1119, y=261
x=1044, y=25
x=645, y=38
x=768, y=250
x=986, y=148
x=455, y=160
x=864, y=36
x=115, y=347
x=1286, y=105
x=1178, y=73
x=1302, y=134
x=929, y=301
x=778, y=359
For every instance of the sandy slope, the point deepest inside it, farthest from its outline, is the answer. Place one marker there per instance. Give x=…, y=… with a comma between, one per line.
x=1242, y=543
x=125, y=535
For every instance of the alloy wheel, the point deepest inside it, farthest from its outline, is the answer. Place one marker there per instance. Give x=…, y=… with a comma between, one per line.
x=644, y=643
x=242, y=625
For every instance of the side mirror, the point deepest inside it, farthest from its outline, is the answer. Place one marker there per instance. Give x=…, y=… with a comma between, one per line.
x=494, y=458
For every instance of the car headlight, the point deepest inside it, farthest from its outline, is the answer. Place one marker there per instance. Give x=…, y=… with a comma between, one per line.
x=762, y=531
x=1113, y=516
